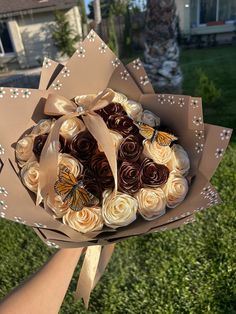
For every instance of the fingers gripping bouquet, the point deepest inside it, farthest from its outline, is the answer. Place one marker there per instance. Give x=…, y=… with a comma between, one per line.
x=95, y=156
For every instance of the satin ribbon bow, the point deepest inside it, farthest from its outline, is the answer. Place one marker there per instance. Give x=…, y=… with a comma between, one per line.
x=85, y=107
x=97, y=257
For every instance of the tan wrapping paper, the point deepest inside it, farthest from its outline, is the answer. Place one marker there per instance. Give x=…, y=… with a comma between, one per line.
x=93, y=68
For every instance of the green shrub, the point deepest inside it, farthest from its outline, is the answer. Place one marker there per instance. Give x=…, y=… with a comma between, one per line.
x=207, y=89
x=112, y=38
x=63, y=35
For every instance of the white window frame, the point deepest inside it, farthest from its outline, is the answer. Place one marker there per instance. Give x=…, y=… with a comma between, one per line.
x=2, y=52
x=217, y=14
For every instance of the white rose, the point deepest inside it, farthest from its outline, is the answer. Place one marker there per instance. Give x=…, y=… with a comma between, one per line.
x=149, y=118
x=179, y=162
x=116, y=138
x=86, y=220
x=159, y=154
x=133, y=109
x=152, y=202
x=118, y=209
x=30, y=175
x=71, y=127
x=175, y=190
x=57, y=205
x=120, y=98
x=44, y=126
x=24, y=150
x=75, y=167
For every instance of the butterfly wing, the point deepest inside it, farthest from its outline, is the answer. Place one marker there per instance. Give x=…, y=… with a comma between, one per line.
x=80, y=198
x=62, y=188
x=65, y=183
x=165, y=139
x=146, y=131
x=76, y=201
x=67, y=177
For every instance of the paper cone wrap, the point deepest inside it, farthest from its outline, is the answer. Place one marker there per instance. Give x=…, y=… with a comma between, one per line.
x=93, y=68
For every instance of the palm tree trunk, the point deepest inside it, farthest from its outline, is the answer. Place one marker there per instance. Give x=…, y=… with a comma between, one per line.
x=161, y=47
x=97, y=14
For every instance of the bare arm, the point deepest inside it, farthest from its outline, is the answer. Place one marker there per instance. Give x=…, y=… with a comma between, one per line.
x=44, y=292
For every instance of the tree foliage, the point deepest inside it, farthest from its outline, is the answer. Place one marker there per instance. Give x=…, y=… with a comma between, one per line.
x=112, y=37
x=82, y=10
x=118, y=7
x=127, y=44
x=63, y=35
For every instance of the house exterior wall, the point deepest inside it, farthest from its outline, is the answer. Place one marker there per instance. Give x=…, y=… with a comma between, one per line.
x=188, y=12
x=35, y=30
x=16, y=40
x=183, y=12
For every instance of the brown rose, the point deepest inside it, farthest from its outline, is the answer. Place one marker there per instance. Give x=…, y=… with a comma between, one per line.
x=122, y=124
x=111, y=109
x=92, y=184
x=102, y=171
x=83, y=146
x=153, y=174
x=128, y=177
x=130, y=149
x=39, y=143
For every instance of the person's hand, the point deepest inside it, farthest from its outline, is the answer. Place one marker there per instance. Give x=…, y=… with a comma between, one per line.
x=44, y=291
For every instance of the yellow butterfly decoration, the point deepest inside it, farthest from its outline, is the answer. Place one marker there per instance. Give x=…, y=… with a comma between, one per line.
x=73, y=191
x=152, y=134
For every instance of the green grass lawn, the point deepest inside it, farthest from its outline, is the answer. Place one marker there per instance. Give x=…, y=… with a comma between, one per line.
x=188, y=270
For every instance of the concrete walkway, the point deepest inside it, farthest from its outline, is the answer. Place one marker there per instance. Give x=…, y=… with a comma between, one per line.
x=21, y=78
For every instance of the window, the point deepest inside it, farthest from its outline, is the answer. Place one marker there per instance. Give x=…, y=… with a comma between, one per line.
x=208, y=11
x=213, y=11
x=5, y=40
x=227, y=10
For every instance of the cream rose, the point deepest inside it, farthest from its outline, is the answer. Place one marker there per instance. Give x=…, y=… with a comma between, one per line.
x=75, y=167
x=30, y=175
x=43, y=126
x=159, y=154
x=71, y=127
x=150, y=118
x=57, y=205
x=24, y=150
x=86, y=220
x=152, y=202
x=118, y=209
x=133, y=109
x=120, y=98
x=175, y=190
x=116, y=138
x=179, y=162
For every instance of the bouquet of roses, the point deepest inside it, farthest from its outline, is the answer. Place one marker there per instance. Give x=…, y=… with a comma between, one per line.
x=95, y=156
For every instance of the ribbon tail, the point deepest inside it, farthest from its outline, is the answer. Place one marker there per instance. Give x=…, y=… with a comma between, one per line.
x=105, y=257
x=87, y=275
x=39, y=197
x=48, y=164
x=97, y=127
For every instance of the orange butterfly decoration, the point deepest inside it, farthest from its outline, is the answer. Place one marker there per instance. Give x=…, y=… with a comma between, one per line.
x=73, y=192
x=152, y=134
